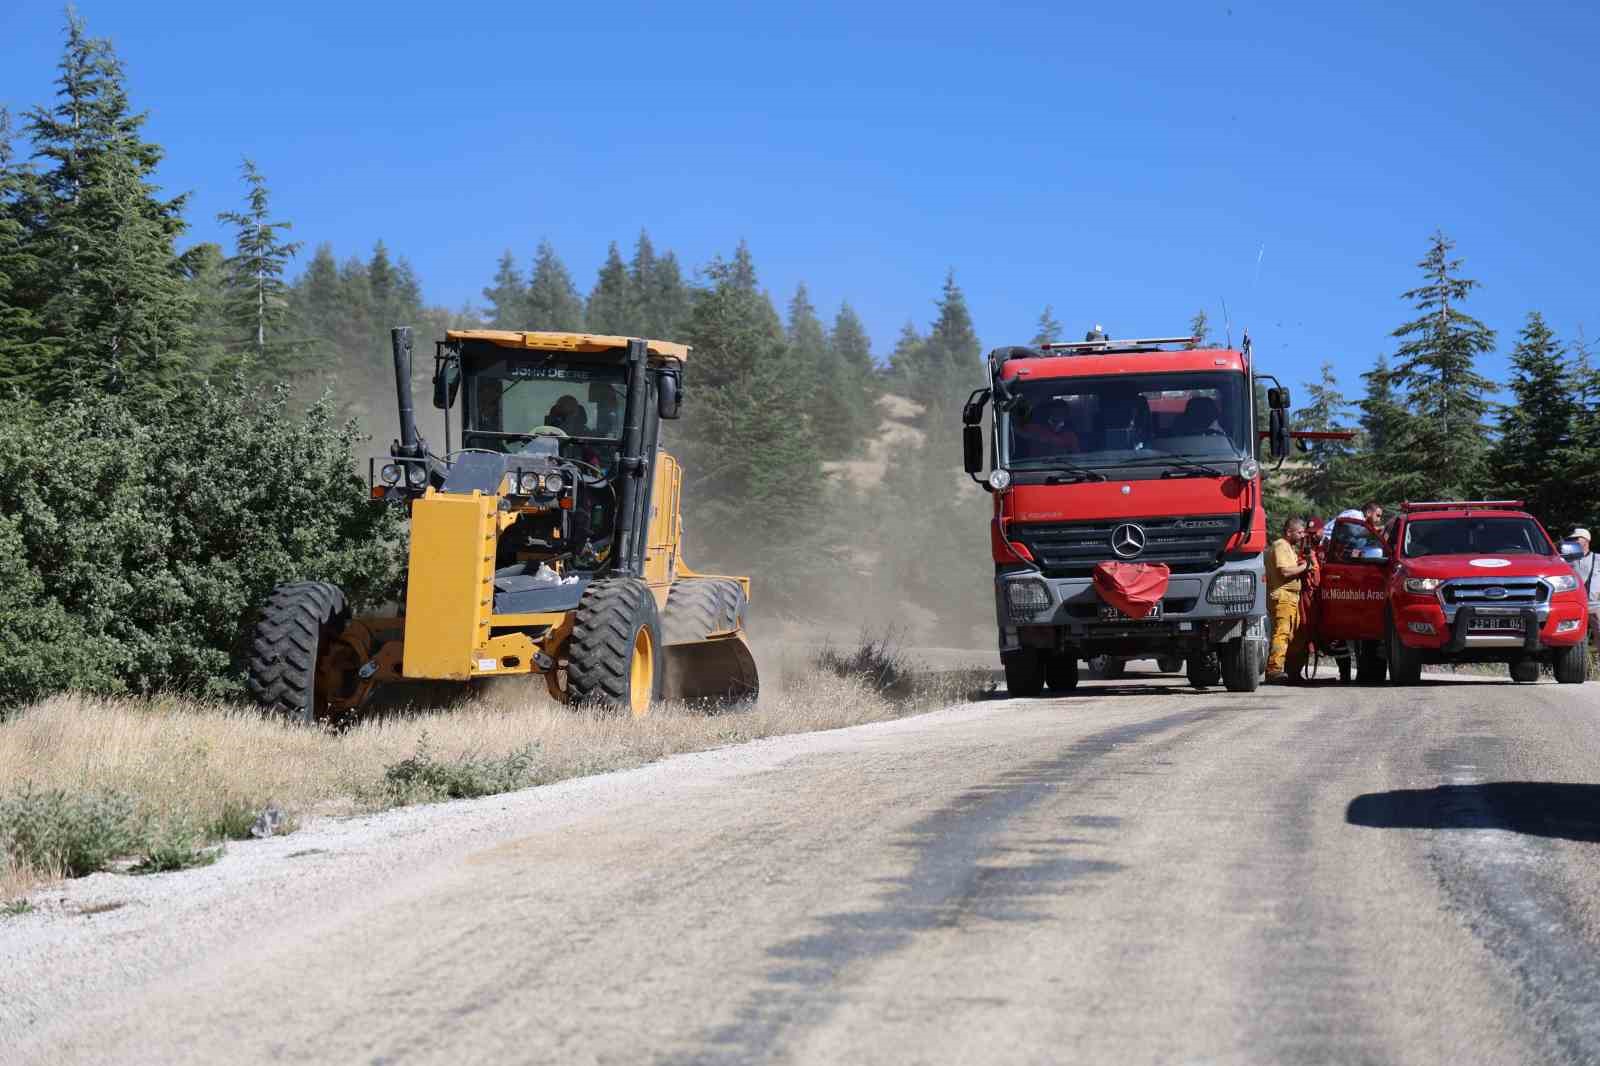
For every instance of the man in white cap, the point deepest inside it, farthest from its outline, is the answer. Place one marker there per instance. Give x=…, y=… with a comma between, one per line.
x=1585, y=568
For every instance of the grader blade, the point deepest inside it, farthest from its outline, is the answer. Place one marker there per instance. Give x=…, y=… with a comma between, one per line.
x=720, y=669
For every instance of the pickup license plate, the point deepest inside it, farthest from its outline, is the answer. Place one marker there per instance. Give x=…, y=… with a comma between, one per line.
x=1109, y=613
x=1497, y=623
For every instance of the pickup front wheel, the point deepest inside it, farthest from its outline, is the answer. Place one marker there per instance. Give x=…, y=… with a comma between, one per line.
x=1405, y=664
x=1571, y=664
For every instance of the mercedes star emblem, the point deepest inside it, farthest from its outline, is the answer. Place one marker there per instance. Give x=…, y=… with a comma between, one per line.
x=1127, y=540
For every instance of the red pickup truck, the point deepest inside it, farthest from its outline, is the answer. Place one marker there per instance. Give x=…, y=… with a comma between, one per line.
x=1454, y=582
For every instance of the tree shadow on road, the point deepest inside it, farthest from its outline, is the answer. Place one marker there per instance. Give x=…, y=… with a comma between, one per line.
x=1536, y=808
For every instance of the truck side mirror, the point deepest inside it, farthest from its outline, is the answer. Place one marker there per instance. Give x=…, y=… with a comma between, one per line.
x=1571, y=551
x=1278, y=398
x=446, y=382
x=669, y=397
x=1373, y=554
x=1278, y=433
x=972, y=448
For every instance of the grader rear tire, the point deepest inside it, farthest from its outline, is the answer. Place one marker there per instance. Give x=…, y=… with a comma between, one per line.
x=299, y=623
x=614, y=656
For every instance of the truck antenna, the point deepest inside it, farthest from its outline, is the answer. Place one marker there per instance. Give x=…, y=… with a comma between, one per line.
x=1227, y=323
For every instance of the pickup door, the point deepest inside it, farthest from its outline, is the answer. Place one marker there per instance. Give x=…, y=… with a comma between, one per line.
x=1355, y=580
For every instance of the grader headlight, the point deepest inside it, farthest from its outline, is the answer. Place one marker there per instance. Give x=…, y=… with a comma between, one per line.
x=416, y=475
x=527, y=483
x=390, y=473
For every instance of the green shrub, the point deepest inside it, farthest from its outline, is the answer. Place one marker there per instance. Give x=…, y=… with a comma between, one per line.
x=423, y=778
x=135, y=544
x=877, y=661
x=77, y=834
x=177, y=845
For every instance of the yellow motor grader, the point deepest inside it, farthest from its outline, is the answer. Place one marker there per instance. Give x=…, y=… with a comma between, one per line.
x=549, y=542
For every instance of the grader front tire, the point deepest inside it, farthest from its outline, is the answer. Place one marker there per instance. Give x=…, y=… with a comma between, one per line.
x=614, y=657
x=300, y=623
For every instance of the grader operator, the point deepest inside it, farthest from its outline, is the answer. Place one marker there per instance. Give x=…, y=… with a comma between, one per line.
x=549, y=542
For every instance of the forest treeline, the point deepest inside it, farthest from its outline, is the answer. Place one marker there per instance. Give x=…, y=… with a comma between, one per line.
x=123, y=352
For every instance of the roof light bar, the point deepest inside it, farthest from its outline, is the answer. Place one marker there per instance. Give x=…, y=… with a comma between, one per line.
x=1114, y=345
x=1462, y=505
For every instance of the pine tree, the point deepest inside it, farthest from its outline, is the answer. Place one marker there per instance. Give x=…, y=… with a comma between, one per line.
x=206, y=276
x=1579, y=470
x=22, y=341
x=849, y=338
x=1385, y=433
x=1048, y=331
x=257, y=303
x=667, y=298
x=1200, y=330
x=1435, y=369
x=552, y=300
x=613, y=307
x=114, y=302
x=1537, y=429
x=1323, y=475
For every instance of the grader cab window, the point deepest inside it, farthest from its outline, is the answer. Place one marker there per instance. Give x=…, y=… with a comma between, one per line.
x=510, y=400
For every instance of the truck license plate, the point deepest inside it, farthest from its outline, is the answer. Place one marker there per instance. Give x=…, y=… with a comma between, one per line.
x=1109, y=613
x=1497, y=623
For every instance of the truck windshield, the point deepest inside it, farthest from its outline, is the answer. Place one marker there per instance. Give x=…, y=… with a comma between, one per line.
x=1475, y=536
x=511, y=397
x=1129, y=417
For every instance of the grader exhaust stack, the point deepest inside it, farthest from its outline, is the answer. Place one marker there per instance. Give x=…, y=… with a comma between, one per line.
x=550, y=544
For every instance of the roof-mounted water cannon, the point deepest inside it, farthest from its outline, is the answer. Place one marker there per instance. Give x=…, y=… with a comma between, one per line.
x=1096, y=342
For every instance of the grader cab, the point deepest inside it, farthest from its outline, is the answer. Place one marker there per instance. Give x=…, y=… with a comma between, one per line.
x=549, y=542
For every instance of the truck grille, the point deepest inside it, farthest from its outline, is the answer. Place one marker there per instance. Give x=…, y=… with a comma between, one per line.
x=1512, y=592
x=1188, y=544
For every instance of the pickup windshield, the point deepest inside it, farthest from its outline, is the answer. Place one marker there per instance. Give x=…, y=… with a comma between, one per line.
x=1475, y=536
x=1103, y=421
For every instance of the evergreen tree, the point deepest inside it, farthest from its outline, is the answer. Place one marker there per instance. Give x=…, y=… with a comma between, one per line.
x=1385, y=432
x=1200, y=330
x=257, y=303
x=907, y=353
x=1580, y=471
x=22, y=272
x=849, y=339
x=1537, y=429
x=114, y=308
x=613, y=308
x=1435, y=369
x=1048, y=331
x=667, y=299
x=1323, y=475
x=205, y=272
x=507, y=295
x=552, y=302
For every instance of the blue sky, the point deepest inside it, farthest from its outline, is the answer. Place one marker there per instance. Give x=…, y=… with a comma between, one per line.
x=1127, y=163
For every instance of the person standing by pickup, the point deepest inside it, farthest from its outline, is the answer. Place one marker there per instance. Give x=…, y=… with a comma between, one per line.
x=1285, y=572
x=1584, y=566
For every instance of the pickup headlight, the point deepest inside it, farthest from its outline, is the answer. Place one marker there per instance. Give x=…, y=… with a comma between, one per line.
x=1422, y=586
x=1232, y=588
x=1026, y=598
x=1562, y=582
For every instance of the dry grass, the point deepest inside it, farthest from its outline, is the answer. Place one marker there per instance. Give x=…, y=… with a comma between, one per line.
x=211, y=768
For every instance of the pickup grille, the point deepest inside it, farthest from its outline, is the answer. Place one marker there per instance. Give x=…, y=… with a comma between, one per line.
x=1188, y=544
x=1512, y=592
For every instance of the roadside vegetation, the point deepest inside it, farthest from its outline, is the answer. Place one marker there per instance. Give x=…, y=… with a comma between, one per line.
x=161, y=784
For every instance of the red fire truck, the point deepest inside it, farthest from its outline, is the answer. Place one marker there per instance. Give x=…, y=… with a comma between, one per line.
x=1452, y=582
x=1125, y=452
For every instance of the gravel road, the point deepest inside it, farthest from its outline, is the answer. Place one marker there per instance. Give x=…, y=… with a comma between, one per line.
x=1139, y=873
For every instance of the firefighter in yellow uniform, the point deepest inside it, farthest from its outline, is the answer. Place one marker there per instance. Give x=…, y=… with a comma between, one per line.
x=1285, y=571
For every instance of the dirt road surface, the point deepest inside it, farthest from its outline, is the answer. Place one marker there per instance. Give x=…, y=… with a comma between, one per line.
x=1139, y=873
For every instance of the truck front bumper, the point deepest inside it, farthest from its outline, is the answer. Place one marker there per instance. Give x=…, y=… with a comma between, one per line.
x=1198, y=611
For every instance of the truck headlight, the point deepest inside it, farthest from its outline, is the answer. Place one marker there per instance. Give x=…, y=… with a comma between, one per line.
x=1232, y=588
x=527, y=483
x=390, y=473
x=1026, y=598
x=1422, y=586
x=999, y=480
x=1562, y=582
x=416, y=475
x=1249, y=469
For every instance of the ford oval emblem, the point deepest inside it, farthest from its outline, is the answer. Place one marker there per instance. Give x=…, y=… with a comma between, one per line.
x=1494, y=592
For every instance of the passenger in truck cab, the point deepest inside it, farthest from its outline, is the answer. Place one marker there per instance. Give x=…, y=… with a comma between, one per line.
x=1124, y=420
x=1050, y=429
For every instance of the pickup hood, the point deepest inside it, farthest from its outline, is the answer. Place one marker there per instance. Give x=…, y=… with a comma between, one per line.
x=1152, y=498
x=1509, y=566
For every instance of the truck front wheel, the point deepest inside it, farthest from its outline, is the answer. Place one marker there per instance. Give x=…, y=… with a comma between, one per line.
x=1241, y=665
x=1370, y=666
x=1572, y=664
x=1061, y=672
x=1204, y=669
x=1405, y=664
x=1024, y=672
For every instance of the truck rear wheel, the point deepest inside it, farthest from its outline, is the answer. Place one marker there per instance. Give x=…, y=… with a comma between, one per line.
x=614, y=656
x=1405, y=664
x=1370, y=667
x=1061, y=672
x=1204, y=670
x=299, y=626
x=1525, y=671
x=1024, y=672
x=1572, y=664
x=1241, y=664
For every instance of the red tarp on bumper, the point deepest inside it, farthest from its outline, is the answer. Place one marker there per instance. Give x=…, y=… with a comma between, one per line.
x=1132, y=588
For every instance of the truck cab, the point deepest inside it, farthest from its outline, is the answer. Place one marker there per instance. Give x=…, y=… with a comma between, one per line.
x=1125, y=452
x=1453, y=582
